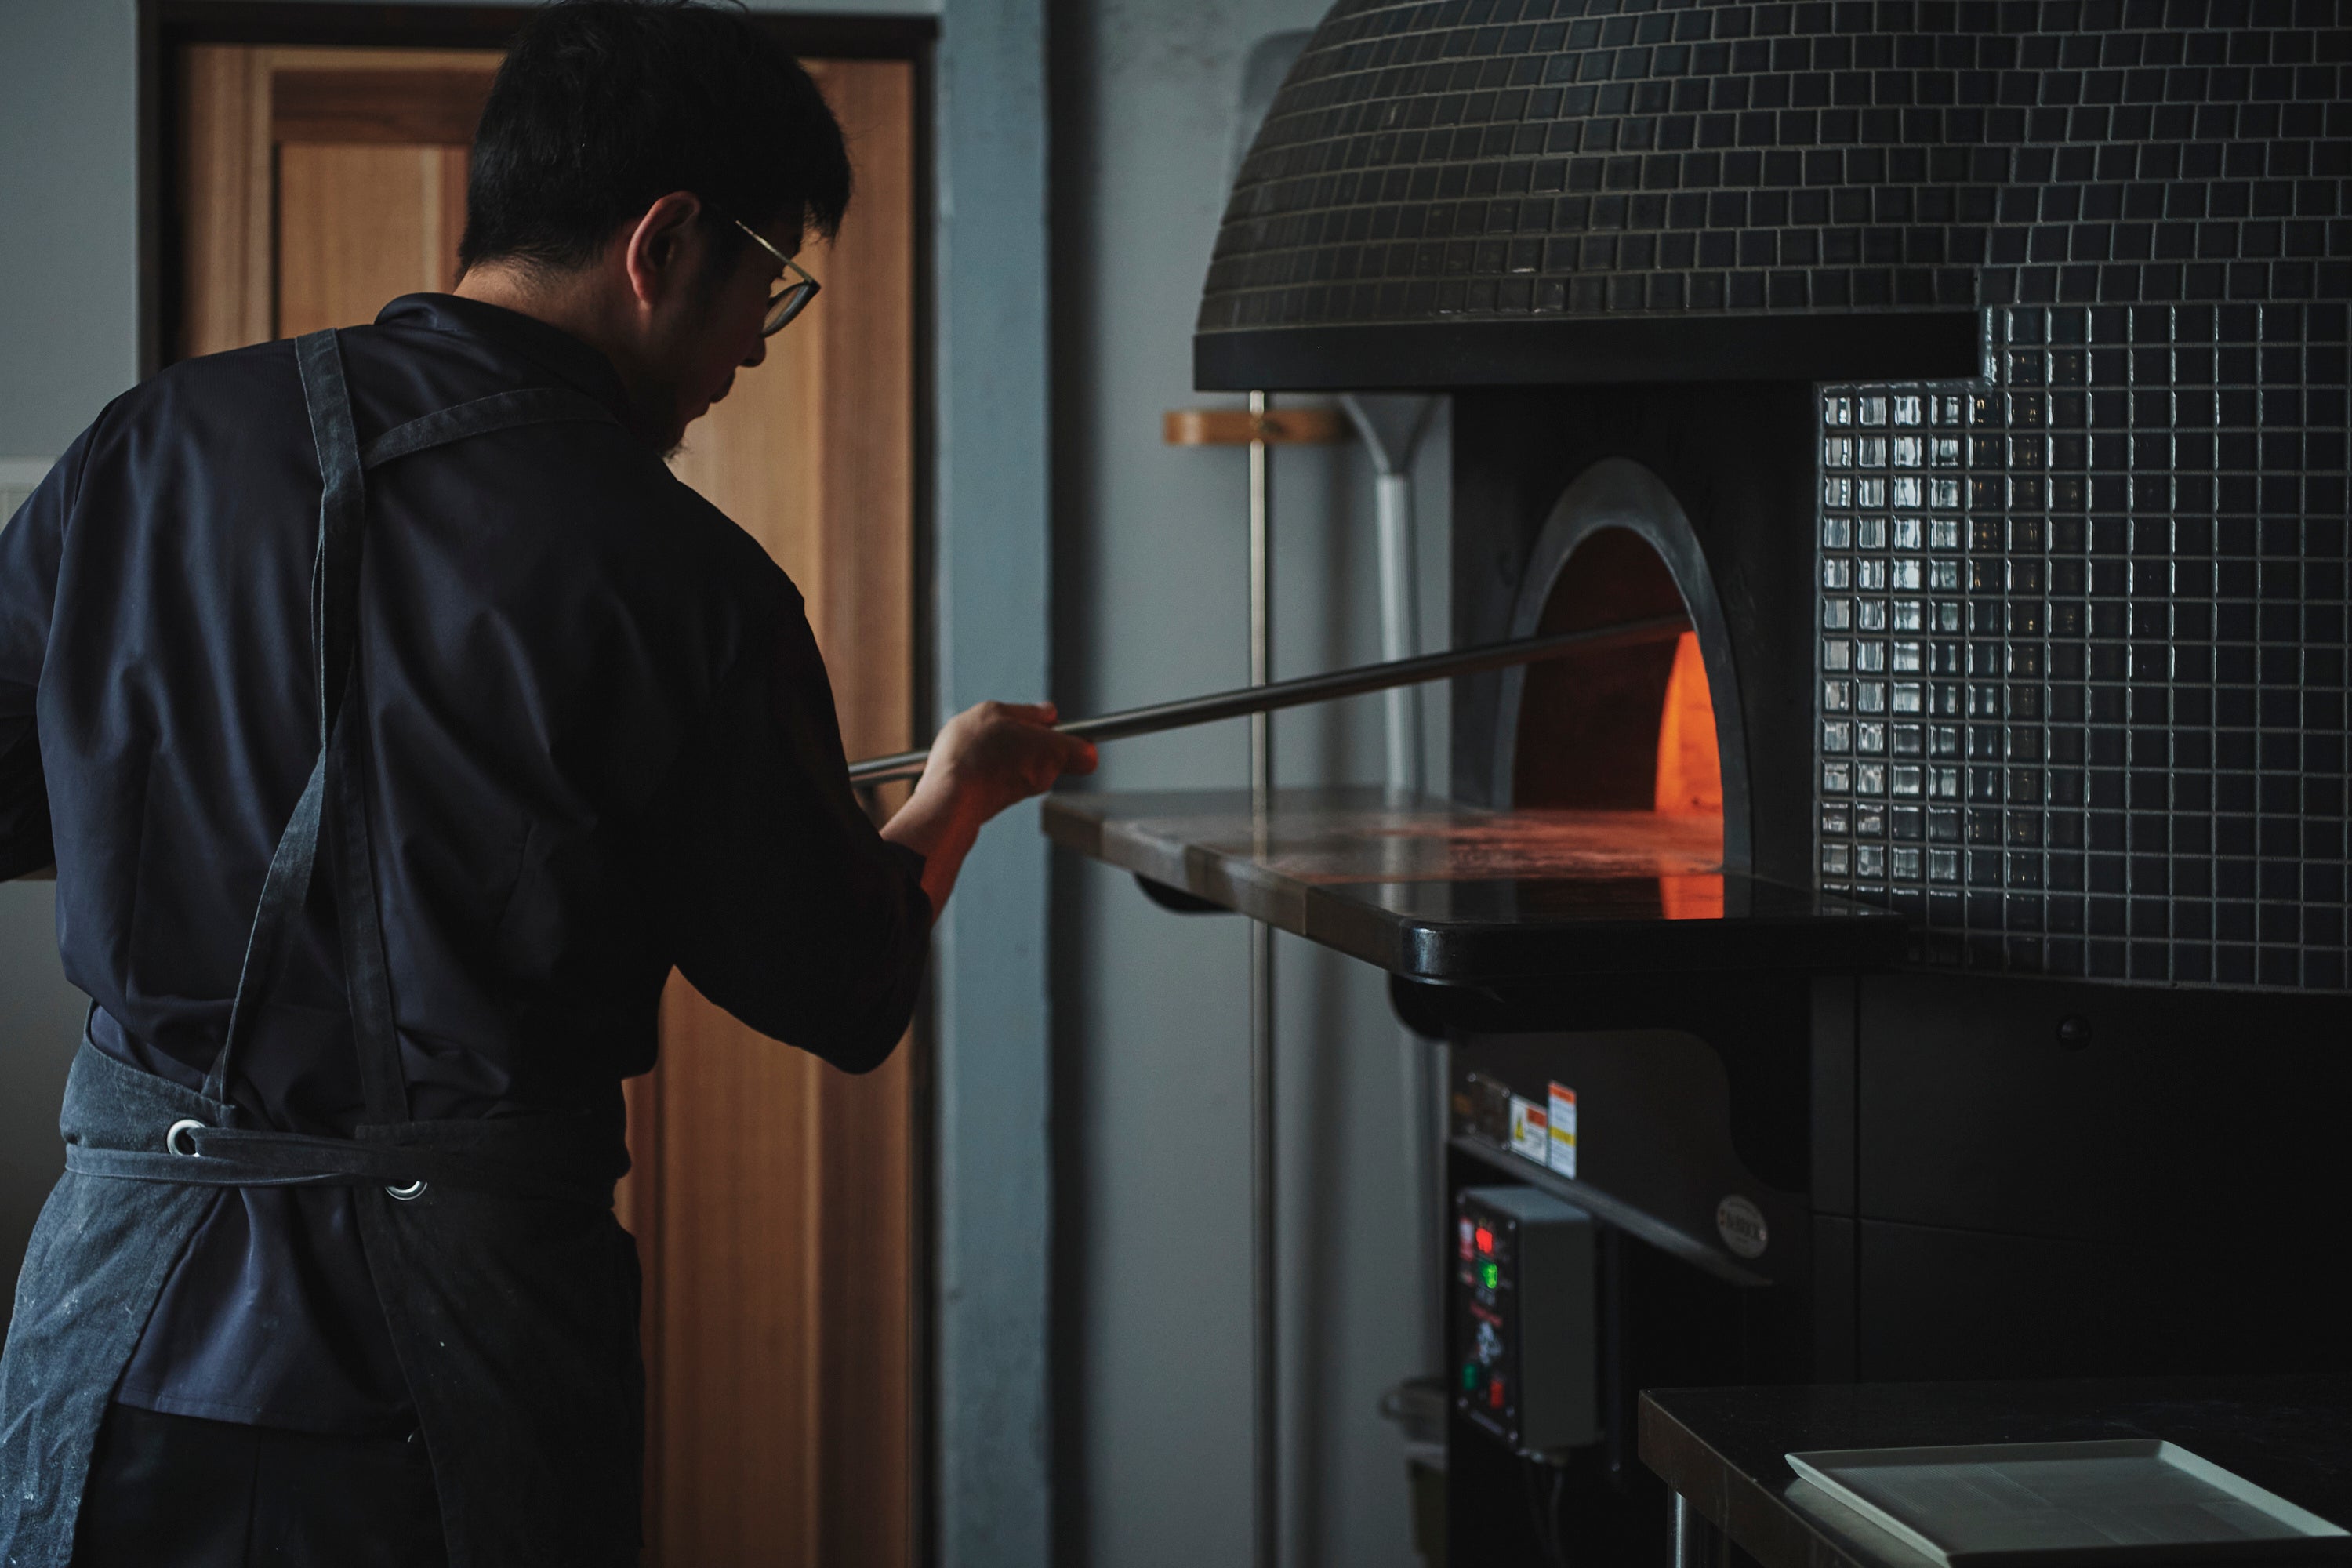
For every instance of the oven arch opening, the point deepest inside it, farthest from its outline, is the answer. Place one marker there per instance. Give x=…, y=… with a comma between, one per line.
x=1653, y=727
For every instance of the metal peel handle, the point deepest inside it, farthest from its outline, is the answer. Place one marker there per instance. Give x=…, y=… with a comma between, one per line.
x=1306, y=689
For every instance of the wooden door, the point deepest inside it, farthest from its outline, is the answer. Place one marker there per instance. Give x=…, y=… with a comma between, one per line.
x=774, y=1198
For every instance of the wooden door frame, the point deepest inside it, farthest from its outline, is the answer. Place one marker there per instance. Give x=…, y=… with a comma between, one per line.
x=164, y=26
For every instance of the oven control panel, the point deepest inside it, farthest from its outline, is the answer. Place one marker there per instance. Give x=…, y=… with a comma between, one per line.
x=1525, y=1302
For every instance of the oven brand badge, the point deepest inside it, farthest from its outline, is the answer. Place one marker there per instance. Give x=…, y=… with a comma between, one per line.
x=1529, y=1136
x=1741, y=1225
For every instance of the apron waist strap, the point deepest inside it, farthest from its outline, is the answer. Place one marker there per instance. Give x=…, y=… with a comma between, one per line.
x=198, y=1156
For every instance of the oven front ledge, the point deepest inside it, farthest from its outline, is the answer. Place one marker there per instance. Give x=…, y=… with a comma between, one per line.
x=1435, y=890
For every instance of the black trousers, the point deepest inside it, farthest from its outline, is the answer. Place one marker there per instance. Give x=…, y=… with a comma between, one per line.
x=170, y=1491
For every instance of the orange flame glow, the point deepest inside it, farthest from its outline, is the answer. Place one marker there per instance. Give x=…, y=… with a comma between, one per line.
x=1690, y=771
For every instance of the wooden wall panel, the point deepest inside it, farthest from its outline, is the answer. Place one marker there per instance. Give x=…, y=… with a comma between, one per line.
x=229, y=194
x=400, y=106
x=737, y=1254
x=357, y=226
x=866, y=588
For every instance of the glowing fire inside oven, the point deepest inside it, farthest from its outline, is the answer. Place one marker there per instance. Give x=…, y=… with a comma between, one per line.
x=1624, y=736
x=1690, y=770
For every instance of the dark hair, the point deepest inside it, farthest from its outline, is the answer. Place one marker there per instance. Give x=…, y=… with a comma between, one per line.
x=603, y=106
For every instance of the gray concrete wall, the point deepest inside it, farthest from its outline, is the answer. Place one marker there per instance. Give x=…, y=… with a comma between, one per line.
x=1151, y=1032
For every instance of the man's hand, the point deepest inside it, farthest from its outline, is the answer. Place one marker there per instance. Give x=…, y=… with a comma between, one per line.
x=998, y=753
x=986, y=758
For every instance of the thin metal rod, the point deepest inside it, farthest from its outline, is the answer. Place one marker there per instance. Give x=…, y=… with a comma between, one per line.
x=1300, y=690
x=1265, y=1362
x=1261, y=604
x=1400, y=626
x=1265, y=1366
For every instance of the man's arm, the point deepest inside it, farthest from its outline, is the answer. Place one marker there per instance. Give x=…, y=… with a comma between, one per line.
x=781, y=901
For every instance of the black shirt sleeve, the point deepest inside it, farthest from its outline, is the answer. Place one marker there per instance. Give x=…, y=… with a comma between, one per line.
x=782, y=902
x=30, y=545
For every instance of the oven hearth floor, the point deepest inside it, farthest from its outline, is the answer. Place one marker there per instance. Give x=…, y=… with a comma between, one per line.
x=1435, y=891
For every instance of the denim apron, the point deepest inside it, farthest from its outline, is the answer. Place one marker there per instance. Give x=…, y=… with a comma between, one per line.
x=509, y=1290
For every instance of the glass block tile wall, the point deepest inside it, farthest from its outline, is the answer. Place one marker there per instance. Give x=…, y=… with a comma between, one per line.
x=2082, y=656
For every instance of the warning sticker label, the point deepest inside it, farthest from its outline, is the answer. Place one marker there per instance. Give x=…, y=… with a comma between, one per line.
x=1562, y=1118
x=1530, y=1135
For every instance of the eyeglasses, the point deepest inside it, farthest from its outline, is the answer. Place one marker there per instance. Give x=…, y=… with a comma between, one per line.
x=793, y=298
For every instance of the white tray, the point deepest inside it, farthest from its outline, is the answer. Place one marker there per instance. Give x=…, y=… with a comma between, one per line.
x=2023, y=1505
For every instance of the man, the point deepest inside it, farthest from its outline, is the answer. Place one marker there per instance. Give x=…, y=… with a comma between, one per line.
x=394, y=722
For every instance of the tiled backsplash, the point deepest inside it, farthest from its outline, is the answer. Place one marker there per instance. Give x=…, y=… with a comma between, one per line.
x=2082, y=658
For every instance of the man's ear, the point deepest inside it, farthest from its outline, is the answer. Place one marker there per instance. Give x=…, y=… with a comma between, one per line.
x=657, y=251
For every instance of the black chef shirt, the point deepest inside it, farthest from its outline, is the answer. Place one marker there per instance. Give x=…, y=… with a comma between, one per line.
x=600, y=742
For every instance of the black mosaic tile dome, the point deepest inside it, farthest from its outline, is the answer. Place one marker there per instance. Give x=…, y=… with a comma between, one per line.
x=1523, y=163
x=2080, y=661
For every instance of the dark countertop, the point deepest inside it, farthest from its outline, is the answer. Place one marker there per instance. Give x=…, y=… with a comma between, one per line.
x=1435, y=890
x=1722, y=1447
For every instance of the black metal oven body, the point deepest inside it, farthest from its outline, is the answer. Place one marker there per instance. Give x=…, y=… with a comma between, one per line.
x=1992, y=1178
x=1980, y=374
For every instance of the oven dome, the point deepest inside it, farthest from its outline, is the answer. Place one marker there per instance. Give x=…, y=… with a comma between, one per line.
x=1473, y=192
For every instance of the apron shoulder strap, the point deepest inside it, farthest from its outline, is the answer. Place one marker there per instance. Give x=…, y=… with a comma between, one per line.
x=502, y=411
x=334, y=796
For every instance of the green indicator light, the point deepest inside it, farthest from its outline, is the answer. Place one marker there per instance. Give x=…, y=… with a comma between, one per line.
x=1469, y=1375
x=1493, y=1273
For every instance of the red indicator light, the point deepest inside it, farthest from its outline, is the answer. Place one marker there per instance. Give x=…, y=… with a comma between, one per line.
x=1495, y=1393
x=1486, y=1239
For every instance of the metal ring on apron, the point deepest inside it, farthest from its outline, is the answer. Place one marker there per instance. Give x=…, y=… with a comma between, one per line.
x=171, y=1136
x=408, y=1194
